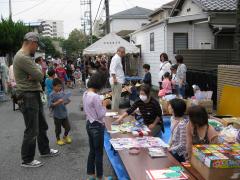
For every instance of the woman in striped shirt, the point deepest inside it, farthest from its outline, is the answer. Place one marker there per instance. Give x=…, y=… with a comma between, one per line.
x=150, y=111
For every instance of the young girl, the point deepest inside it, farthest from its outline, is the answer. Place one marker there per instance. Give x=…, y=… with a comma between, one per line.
x=166, y=85
x=95, y=110
x=177, y=108
x=198, y=130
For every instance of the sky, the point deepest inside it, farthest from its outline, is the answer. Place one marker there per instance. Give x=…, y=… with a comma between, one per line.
x=68, y=10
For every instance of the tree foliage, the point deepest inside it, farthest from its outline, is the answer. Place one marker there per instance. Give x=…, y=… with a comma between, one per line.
x=11, y=35
x=49, y=48
x=76, y=42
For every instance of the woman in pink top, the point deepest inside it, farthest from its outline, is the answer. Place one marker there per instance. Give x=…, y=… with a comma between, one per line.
x=95, y=110
x=166, y=85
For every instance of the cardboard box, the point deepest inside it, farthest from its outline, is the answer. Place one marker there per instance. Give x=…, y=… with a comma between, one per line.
x=208, y=104
x=214, y=173
x=164, y=105
x=218, y=156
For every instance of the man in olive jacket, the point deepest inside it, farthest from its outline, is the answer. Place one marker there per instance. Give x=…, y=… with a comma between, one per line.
x=28, y=79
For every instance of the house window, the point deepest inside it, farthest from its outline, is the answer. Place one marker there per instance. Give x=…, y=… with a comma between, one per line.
x=180, y=41
x=151, y=41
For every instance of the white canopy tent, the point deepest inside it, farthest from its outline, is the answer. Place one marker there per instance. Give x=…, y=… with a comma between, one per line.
x=109, y=44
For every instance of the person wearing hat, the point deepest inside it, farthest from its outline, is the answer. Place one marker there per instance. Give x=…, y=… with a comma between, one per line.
x=28, y=79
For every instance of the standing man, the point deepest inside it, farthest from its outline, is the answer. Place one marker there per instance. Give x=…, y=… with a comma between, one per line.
x=28, y=78
x=117, y=77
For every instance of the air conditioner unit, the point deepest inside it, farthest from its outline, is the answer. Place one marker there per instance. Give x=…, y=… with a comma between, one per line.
x=205, y=45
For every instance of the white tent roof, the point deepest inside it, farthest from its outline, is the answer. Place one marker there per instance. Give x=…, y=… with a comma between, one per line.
x=109, y=44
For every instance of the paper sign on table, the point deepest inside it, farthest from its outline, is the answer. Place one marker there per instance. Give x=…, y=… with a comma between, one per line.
x=165, y=174
x=110, y=114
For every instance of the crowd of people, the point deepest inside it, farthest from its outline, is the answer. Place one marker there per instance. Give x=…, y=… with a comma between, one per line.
x=30, y=78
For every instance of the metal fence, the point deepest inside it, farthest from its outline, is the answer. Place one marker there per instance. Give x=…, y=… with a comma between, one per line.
x=202, y=67
x=209, y=59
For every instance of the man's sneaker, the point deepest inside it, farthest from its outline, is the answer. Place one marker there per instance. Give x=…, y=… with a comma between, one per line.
x=67, y=139
x=60, y=142
x=33, y=164
x=52, y=153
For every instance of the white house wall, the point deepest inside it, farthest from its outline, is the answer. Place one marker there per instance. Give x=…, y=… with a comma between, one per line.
x=202, y=34
x=151, y=57
x=197, y=33
x=189, y=8
x=177, y=28
x=117, y=25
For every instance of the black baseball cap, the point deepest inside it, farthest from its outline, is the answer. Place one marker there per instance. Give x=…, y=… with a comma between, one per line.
x=33, y=36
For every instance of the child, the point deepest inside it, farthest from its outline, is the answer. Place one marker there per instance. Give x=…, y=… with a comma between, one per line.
x=177, y=108
x=61, y=73
x=49, y=81
x=198, y=130
x=58, y=102
x=95, y=110
x=133, y=92
x=147, y=79
x=166, y=85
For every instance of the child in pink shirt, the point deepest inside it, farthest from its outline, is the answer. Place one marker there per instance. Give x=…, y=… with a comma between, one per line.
x=166, y=85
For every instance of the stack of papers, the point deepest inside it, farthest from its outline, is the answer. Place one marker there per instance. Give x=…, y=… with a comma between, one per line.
x=138, y=142
x=157, y=152
x=137, y=128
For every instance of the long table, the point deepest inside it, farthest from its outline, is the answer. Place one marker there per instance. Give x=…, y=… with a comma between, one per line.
x=136, y=165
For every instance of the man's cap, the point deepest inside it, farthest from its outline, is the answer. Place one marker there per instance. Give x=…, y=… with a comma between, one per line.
x=33, y=36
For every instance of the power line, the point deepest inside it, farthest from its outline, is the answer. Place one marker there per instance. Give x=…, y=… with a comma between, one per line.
x=23, y=1
x=97, y=12
x=30, y=8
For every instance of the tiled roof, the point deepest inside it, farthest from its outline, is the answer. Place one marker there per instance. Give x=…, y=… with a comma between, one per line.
x=217, y=5
x=135, y=12
x=169, y=5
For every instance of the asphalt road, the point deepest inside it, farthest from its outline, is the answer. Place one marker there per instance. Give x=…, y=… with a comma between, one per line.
x=70, y=165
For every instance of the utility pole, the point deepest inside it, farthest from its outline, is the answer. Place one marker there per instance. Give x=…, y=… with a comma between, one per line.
x=90, y=11
x=10, y=9
x=107, y=17
x=87, y=17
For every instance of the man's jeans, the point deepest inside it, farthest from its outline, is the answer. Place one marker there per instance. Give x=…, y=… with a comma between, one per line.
x=96, y=139
x=36, y=126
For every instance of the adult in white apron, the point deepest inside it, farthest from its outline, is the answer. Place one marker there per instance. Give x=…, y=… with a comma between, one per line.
x=165, y=66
